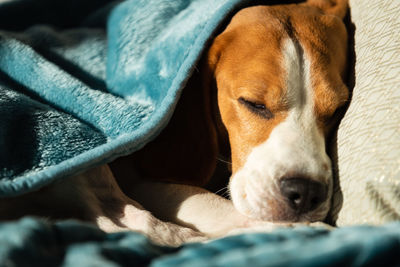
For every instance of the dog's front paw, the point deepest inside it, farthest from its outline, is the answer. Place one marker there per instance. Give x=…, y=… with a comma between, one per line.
x=162, y=233
x=170, y=234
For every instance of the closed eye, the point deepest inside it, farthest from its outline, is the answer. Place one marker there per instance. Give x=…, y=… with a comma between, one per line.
x=256, y=108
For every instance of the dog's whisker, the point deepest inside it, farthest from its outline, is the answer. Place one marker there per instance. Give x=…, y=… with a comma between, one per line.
x=224, y=161
x=222, y=190
x=225, y=194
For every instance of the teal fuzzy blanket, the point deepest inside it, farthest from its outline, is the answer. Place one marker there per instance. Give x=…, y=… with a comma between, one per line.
x=84, y=82
x=32, y=242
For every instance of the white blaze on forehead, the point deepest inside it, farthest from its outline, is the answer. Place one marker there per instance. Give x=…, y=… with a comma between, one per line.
x=295, y=147
x=298, y=135
x=296, y=93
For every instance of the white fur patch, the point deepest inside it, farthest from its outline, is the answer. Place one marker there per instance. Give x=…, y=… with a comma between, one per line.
x=294, y=148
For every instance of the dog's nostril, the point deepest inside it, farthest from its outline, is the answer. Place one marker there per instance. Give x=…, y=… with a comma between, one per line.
x=303, y=194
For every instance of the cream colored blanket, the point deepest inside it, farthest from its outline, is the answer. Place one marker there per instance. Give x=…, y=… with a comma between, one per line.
x=368, y=140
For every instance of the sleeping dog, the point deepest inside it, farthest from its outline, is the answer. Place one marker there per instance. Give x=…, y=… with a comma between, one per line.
x=264, y=96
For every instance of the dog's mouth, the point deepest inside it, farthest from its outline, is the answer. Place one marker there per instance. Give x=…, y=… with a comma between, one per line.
x=289, y=199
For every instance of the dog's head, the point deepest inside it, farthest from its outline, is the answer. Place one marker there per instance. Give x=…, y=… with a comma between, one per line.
x=279, y=71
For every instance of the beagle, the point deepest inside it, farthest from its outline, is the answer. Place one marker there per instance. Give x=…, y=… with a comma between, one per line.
x=265, y=96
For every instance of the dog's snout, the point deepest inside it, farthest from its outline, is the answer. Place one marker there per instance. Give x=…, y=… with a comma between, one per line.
x=303, y=194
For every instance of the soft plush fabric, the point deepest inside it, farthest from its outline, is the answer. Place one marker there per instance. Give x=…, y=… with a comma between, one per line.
x=84, y=82
x=31, y=242
x=368, y=139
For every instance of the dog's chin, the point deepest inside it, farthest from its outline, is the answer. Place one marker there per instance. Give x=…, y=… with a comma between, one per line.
x=274, y=211
x=267, y=205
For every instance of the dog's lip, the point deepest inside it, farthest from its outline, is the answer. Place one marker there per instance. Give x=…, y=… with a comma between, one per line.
x=275, y=211
x=282, y=216
x=262, y=200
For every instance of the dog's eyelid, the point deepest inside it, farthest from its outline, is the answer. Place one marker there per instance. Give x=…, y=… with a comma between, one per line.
x=251, y=102
x=256, y=107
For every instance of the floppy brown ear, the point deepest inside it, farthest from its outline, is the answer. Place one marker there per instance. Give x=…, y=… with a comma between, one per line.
x=210, y=69
x=333, y=7
x=215, y=51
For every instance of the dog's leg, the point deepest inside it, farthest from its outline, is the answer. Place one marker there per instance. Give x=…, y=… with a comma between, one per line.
x=95, y=197
x=196, y=208
x=114, y=211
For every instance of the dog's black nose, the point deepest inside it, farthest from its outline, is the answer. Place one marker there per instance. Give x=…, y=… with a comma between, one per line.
x=303, y=194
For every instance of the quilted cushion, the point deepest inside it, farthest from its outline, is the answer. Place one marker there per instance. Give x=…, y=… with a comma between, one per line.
x=368, y=139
